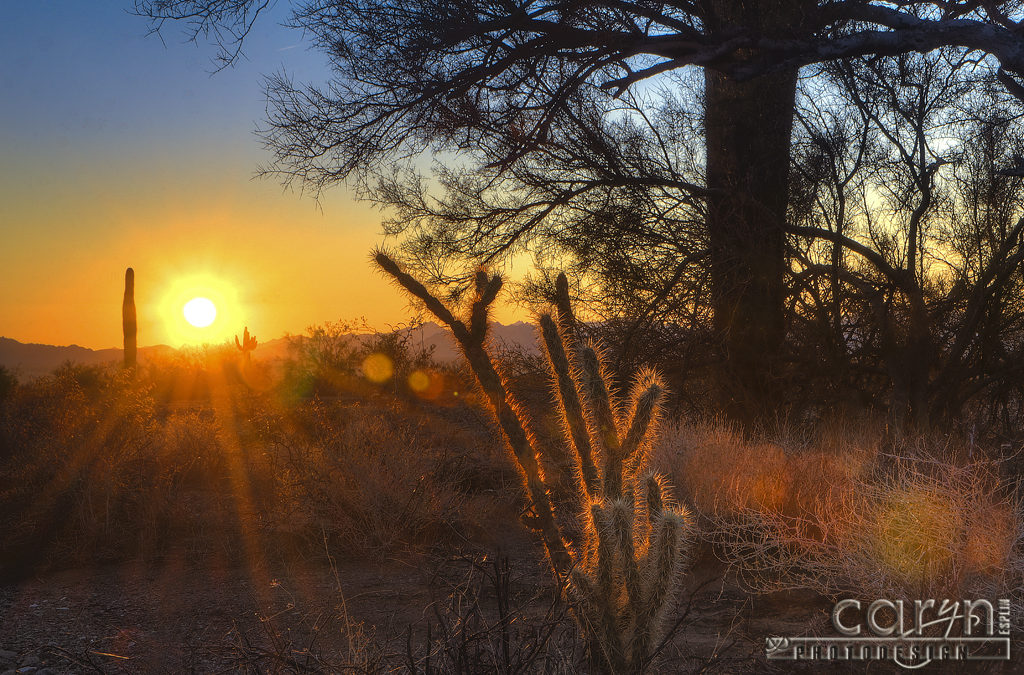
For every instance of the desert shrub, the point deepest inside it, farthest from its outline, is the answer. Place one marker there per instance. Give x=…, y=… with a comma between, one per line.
x=82, y=473
x=373, y=477
x=191, y=375
x=492, y=619
x=323, y=362
x=97, y=463
x=488, y=617
x=190, y=451
x=348, y=357
x=8, y=381
x=723, y=473
x=42, y=413
x=296, y=641
x=840, y=515
x=94, y=468
x=925, y=529
x=395, y=362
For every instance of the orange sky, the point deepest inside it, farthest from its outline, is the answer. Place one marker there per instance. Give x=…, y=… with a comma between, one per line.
x=272, y=260
x=119, y=151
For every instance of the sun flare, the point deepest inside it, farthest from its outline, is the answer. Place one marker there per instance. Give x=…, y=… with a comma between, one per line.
x=202, y=308
x=200, y=312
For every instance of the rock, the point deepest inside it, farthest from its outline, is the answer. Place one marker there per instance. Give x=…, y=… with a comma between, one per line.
x=46, y=671
x=9, y=672
x=30, y=660
x=26, y=670
x=7, y=657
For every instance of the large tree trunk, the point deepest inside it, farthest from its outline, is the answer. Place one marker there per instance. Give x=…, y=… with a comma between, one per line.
x=748, y=127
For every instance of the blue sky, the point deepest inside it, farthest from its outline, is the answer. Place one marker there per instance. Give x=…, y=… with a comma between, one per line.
x=85, y=76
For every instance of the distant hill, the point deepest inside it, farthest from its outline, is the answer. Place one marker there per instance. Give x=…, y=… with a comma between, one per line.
x=446, y=350
x=30, y=360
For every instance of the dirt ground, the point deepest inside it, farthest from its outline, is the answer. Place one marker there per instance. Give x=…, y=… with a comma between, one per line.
x=180, y=616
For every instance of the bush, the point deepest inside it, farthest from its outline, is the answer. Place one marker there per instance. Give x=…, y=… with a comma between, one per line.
x=851, y=518
x=374, y=478
x=348, y=358
x=80, y=470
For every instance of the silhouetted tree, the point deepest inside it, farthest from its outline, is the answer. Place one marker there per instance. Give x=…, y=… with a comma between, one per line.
x=907, y=266
x=510, y=87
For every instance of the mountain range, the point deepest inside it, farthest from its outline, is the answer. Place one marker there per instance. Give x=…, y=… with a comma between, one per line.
x=30, y=360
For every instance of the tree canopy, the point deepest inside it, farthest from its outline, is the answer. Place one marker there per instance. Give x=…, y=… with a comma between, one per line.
x=654, y=144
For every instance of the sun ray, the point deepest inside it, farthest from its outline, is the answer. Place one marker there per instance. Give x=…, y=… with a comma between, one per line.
x=227, y=416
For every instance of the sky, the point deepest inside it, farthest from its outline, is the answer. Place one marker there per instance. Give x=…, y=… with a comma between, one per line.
x=119, y=149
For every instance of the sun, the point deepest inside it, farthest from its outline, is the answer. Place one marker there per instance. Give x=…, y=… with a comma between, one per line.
x=203, y=308
x=200, y=312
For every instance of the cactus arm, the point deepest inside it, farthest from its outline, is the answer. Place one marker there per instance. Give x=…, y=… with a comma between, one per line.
x=522, y=443
x=575, y=422
x=414, y=287
x=565, y=313
x=655, y=502
x=606, y=597
x=604, y=420
x=486, y=292
x=519, y=439
x=647, y=396
x=664, y=558
x=622, y=525
x=599, y=399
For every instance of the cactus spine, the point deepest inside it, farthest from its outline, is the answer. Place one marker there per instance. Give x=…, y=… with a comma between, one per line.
x=620, y=576
x=128, y=322
x=247, y=345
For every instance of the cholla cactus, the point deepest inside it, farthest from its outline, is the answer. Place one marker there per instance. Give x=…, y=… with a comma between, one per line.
x=247, y=345
x=620, y=576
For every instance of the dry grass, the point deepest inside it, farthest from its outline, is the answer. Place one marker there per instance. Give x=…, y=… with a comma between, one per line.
x=96, y=466
x=99, y=466
x=837, y=514
x=378, y=478
x=485, y=617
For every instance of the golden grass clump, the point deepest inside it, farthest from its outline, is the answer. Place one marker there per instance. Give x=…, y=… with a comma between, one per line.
x=723, y=474
x=915, y=531
x=837, y=514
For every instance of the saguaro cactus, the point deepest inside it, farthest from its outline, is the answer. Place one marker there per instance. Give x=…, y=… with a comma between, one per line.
x=128, y=322
x=247, y=345
x=621, y=573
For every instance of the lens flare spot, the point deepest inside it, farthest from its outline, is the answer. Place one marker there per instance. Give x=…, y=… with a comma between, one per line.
x=378, y=368
x=419, y=381
x=426, y=384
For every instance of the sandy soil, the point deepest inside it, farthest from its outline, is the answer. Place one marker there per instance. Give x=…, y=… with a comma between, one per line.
x=182, y=616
